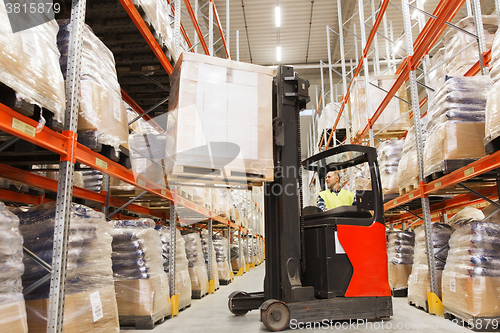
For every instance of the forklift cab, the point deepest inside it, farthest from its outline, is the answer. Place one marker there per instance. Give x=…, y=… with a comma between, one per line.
x=346, y=243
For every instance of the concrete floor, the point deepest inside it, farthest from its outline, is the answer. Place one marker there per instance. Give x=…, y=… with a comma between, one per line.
x=211, y=314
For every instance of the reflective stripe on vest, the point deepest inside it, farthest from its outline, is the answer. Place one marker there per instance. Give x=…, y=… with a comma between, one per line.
x=332, y=200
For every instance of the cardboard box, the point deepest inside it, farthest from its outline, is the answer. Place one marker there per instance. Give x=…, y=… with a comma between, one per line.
x=398, y=276
x=183, y=287
x=452, y=140
x=13, y=318
x=418, y=285
x=199, y=278
x=144, y=297
x=90, y=311
x=475, y=296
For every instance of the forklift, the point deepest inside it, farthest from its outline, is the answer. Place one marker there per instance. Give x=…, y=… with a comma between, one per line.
x=329, y=265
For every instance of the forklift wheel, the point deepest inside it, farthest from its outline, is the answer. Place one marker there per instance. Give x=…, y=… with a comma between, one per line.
x=237, y=312
x=276, y=317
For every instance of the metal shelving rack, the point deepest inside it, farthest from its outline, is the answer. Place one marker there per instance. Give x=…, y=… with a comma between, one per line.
x=65, y=144
x=413, y=207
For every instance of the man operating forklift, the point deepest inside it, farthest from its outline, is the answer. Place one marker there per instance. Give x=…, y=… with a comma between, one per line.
x=334, y=196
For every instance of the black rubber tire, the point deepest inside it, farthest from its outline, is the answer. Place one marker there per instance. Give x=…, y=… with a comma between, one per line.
x=276, y=317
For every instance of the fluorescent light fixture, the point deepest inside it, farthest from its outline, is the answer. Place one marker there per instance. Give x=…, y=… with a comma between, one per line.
x=278, y=53
x=278, y=17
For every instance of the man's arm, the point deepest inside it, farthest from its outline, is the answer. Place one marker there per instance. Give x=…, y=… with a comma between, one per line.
x=321, y=203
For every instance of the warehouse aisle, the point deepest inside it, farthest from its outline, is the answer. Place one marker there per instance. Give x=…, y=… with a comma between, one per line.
x=210, y=314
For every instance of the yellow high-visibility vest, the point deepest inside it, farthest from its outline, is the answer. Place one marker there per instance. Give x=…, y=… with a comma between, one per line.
x=334, y=200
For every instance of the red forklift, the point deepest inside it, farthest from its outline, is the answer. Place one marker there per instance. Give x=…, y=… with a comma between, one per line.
x=320, y=266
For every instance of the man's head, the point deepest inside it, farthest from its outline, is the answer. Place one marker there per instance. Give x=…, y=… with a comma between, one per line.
x=332, y=178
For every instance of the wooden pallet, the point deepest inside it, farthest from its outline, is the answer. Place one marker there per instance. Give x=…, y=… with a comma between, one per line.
x=476, y=324
x=143, y=322
x=182, y=172
x=426, y=309
x=184, y=308
x=399, y=292
x=196, y=294
x=493, y=145
x=224, y=282
x=89, y=140
x=390, y=133
x=449, y=166
x=407, y=189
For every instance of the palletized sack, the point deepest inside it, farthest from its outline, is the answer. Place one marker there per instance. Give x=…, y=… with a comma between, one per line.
x=182, y=279
x=89, y=275
x=141, y=284
x=400, y=258
x=220, y=246
x=210, y=252
x=12, y=307
x=418, y=282
x=220, y=115
x=389, y=154
x=197, y=269
x=471, y=277
x=102, y=110
x=29, y=63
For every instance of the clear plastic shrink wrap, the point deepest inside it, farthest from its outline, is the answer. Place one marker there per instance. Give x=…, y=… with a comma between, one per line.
x=471, y=277
x=220, y=246
x=393, y=111
x=204, y=91
x=495, y=59
x=102, y=111
x=141, y=284
x=362, y=180
x=197, y=269
x=182, y=280
x=13, y=310
x=204, y=245
x=437, y=74
x=400, y=258
x=29, y=64
x=455, y=41
x=418, y=282
x=458, y=107
x=327, y=118
x=492, y=126
x=236, y=254
x=89, y=274
x=389, y=153
x=408, y=166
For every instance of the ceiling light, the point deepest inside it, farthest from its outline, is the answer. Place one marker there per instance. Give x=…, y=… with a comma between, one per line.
x=278, y=17
x=278, y=53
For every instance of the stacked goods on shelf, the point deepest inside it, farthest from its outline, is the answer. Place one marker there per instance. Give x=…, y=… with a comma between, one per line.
x=394, y=110
x=141, y=284
x=182, y=280
x=471, y=277
x=455, y=42
x=408, y=178
x=204, y=245
x=197, y=269
x=389, y=154
x=492, y=116
x=92, y=180
x=362, y=180
x=436, y=72
x=220, y=246
x=400, y=257
x=13, y=310
x=102, y=118
x=221, y=202
x=29, y=63
x=204, y=91
x=327, y=118
x=90, y=301
x=236, y=254
x=457, y=108
x=418, y=282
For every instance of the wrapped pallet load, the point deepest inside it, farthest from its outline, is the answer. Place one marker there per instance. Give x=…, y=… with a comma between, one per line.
x=327, y=119
x=220, y=246
x=102, y=118
x=457, y=108
x=408, y=178
x=436, y=77
x=29, y=62
x=12, y=308
x=400, y=258
x=418, y=282
x=197, y=268
x=462, y=49
x=492, y=114
x=237, y=259
x=142, y=288
x=471, y=277
x=388, y=120
x=182, y=280
x=210, y=252
x=90, y=302
x=205, y=90
x=389, y=154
